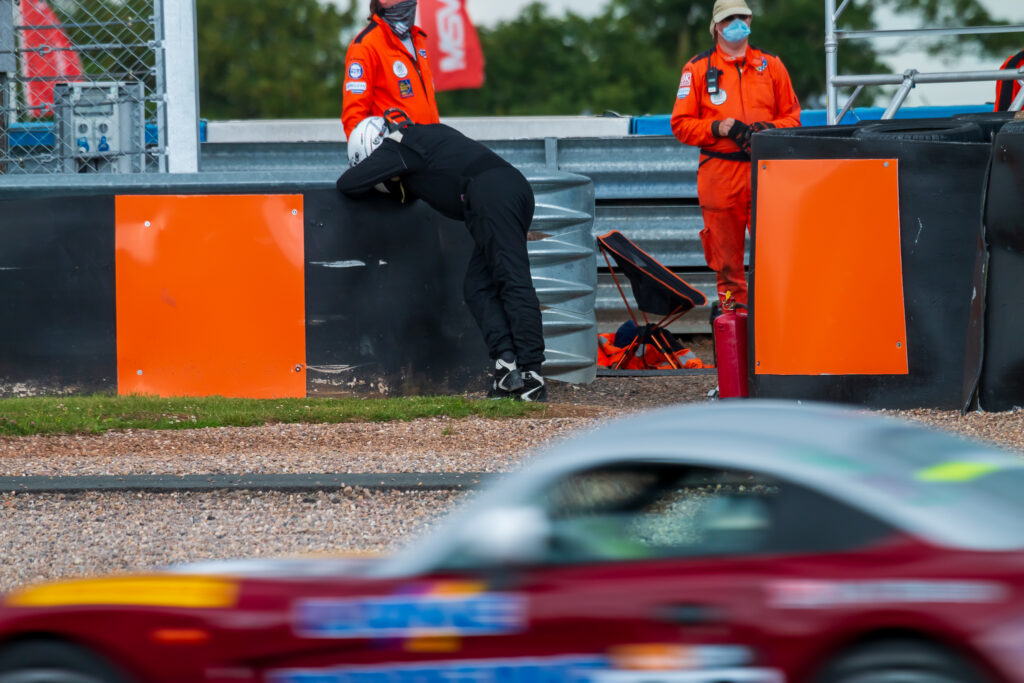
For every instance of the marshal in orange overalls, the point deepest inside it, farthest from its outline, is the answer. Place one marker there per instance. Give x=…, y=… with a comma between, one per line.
x=753, y=88
x=1006, y=91
x=381, y=74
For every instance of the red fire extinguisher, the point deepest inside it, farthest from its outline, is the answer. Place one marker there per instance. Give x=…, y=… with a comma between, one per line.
x=730, y=330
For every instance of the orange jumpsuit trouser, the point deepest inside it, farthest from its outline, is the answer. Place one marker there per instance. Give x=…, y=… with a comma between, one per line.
x=723, y=188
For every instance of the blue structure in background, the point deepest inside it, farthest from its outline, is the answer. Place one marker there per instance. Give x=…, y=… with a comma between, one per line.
x=41, y=134
x=659, y=125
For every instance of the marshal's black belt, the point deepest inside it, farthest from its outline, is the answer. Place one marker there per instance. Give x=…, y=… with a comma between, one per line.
x=728, y=156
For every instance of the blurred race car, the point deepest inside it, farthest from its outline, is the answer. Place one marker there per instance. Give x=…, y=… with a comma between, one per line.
x=737, y=542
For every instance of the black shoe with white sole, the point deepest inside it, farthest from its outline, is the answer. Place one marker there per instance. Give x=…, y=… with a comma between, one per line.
x=535, y=390
x=508, y=380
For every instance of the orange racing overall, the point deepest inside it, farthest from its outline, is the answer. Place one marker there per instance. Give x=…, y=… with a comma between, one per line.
x=753, y=89
x=381, y=74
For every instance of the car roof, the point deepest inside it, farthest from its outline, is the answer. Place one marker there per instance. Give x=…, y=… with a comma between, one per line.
x=920, y=480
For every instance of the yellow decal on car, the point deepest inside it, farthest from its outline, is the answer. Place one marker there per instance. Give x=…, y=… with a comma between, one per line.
x=178, y=591
x=957, y=472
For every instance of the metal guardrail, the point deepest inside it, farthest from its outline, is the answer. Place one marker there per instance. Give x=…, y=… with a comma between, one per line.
x=645, y=186
x=626, y=168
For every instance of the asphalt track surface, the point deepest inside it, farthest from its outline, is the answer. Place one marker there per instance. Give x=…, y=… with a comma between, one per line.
x=407, y=481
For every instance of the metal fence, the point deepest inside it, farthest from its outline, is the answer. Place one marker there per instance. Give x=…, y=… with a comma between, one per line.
x=83, y=84
x=907, y=80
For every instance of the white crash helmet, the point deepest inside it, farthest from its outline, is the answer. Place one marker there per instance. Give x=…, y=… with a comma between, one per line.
x=365, y=138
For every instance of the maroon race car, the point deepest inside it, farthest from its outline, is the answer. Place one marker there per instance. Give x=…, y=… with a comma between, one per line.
x=741, y=542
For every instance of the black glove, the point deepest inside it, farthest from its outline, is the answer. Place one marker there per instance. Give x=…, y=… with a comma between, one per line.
x=757, y=127
x=740, y=134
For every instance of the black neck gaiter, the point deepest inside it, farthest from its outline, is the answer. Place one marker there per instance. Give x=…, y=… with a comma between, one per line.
x=400, y=17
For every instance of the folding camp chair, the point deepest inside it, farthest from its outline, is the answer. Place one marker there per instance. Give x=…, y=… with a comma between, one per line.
x=657, y=291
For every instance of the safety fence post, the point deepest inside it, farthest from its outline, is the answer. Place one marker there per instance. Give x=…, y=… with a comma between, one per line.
x=181, y=78
x=7, y=67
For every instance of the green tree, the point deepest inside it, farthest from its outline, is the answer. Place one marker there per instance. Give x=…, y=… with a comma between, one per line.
x=542, y=65
x=272, y=58
x=629, y=57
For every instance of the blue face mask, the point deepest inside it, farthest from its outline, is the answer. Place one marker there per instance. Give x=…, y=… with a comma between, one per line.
x=736, y=31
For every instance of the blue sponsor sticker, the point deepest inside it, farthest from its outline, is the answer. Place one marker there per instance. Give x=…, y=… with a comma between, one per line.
x=405, y=88
x=568, y=669
x=355, y=71
x=420, y=615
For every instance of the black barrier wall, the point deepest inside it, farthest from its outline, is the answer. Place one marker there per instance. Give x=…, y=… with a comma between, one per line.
x=384, y=305
x=1002, y=382
x=941, y=185
x=383, y=288
x=57, y=308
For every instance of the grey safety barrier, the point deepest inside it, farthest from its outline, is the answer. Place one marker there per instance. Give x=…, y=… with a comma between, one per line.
x=564, y=268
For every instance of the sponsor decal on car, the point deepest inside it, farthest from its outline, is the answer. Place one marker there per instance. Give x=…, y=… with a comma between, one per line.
x=410, y=616
x=827, y=594
x=193, y=592
x=957, y=472
x=568, y=669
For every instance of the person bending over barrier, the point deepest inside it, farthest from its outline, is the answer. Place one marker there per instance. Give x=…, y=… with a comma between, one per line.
x=465, y=181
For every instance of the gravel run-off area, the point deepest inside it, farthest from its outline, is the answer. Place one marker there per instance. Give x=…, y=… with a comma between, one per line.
x=56, y=536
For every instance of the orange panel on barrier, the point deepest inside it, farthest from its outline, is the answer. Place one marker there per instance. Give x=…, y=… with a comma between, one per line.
x=828, y=296
x=211, y=296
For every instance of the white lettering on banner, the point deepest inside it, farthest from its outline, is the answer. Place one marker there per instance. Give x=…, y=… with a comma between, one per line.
x=452, y=30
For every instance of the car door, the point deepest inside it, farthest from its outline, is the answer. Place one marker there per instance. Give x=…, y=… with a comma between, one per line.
x=640, y=565
x=646, y=564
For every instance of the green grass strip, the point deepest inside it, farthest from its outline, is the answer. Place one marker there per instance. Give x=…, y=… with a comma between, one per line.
x=101, y=413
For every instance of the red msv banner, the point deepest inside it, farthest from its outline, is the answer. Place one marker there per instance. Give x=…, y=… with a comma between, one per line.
x=48, y=57
x=455, y=55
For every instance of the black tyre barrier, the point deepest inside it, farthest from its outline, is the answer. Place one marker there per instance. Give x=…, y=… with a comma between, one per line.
x=843, y=131
x=990, y=122
x=940, y=196
x=940, y=130
x=1002, y=380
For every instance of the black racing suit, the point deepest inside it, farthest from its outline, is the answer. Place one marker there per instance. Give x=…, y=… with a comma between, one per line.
x=465, y=181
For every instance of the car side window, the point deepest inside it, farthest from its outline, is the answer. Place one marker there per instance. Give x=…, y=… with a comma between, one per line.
x=650, y=511
x=657, y=511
